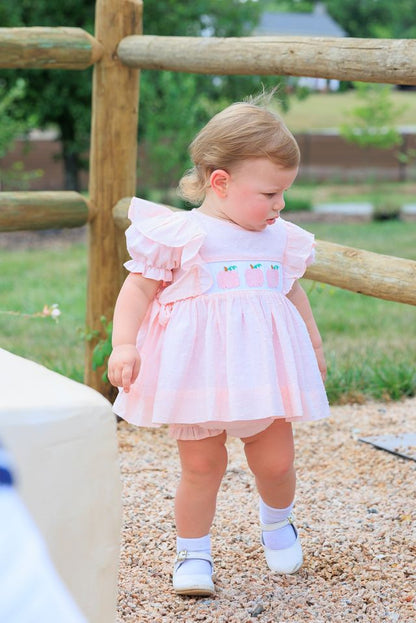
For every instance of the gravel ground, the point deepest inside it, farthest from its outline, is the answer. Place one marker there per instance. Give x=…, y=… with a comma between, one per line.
x=355, y=512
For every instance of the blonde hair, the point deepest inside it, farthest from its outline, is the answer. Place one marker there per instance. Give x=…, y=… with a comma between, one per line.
x=240, y=131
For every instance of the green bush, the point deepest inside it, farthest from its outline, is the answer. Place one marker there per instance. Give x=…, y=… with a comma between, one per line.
x=386, y=210
x=297, y=204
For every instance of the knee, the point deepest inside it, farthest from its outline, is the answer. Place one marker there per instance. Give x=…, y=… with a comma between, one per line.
x=271, y=454
x=273, y=468
x=199, y=466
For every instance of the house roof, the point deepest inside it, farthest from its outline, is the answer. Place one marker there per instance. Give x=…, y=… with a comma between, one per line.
x=315, y=24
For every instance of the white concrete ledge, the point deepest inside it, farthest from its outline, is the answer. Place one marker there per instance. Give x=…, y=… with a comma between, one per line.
x=62, y=438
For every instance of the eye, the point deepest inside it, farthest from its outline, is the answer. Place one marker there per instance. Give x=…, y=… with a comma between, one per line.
x=269, y=195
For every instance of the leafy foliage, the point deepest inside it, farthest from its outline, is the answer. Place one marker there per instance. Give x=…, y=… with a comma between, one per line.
x=372, y=124
x=60, y=98
x=102, y=349
x=360, y=18
x=370, y=18
x=13, y=124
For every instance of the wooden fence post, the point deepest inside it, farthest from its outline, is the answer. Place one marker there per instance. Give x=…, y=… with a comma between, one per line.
x=113, y=160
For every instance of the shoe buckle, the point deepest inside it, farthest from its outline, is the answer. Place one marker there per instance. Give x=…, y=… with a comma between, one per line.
x=182, y=555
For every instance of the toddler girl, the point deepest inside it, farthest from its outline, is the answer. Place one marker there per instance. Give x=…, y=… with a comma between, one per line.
x=214, y=336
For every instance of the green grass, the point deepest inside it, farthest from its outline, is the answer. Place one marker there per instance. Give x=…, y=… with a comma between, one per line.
x=320, y=111
x=370, y=344
x=386, y=237
x=399, y=193
x=31, y=279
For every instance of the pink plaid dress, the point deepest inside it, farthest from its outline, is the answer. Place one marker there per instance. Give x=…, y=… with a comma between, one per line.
x=222, y=347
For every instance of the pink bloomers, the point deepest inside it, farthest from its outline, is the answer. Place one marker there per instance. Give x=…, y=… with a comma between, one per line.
x=195, y=432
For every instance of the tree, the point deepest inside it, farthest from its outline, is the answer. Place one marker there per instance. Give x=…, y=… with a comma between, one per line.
x=360, y=18
x=62, y=98
x=375, y=18
x=373, y=124
x=11, y=126
x=289, y=6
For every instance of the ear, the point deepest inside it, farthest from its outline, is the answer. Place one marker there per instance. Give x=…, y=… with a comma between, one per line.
x=219, y=182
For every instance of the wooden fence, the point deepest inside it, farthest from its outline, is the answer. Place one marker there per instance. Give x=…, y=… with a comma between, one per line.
x=118, y=51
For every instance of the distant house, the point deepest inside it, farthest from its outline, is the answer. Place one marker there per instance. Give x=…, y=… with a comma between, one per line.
x=315, y=24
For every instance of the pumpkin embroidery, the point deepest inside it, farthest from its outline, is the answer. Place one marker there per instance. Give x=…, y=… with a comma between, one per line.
x=254, y=276
x=272, y=276
x=228, y=278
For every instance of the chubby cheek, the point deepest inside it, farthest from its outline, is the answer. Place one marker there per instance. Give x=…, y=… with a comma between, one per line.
x=260, y=209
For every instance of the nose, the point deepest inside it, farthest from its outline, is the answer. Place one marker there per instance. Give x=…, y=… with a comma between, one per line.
x=278, y=205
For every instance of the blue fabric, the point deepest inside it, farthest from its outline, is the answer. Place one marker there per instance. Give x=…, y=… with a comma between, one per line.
x=5, y=476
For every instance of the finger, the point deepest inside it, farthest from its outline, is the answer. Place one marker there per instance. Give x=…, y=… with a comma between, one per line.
x=115, y=376
x=136, y=370
x=111, y=377
x=126, y=377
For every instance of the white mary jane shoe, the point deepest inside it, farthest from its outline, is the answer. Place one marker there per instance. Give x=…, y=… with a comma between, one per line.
x=287, y=560
x=189, y=583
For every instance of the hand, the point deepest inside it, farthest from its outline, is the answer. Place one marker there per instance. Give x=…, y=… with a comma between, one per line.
x=123, y=366
x=320, y=357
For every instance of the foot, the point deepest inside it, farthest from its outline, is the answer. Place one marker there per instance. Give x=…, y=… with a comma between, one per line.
x=190, y=583
x=286, y=560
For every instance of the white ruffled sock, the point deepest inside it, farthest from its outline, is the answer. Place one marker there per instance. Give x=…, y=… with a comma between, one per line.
x=194, y=566
x=281, y=538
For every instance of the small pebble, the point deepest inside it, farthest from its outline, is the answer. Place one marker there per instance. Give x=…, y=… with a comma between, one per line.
x=258, y=609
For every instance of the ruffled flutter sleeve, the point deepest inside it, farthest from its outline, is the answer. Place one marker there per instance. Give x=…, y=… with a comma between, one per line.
x=299, y=254
x=155, y=239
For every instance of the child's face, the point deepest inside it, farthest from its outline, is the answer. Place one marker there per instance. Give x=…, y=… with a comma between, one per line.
x=255, y=193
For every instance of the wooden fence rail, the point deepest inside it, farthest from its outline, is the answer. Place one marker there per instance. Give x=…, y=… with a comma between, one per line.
x=369, y=60
x=48, y=48
x=42, y=210
x=382, y=276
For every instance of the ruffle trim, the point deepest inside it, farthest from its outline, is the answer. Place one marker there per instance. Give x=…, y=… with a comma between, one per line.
x=299, y=254
x=160, y=240
x=148, y=271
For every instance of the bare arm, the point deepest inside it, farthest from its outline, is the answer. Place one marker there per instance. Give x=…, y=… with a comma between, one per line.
x=135, y=296
x=298, y=297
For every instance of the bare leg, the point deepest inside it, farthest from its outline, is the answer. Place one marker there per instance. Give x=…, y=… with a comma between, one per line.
x=203, y=465
x=270, y=455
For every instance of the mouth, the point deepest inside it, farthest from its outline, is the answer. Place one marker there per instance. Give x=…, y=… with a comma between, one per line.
x=271, y=221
